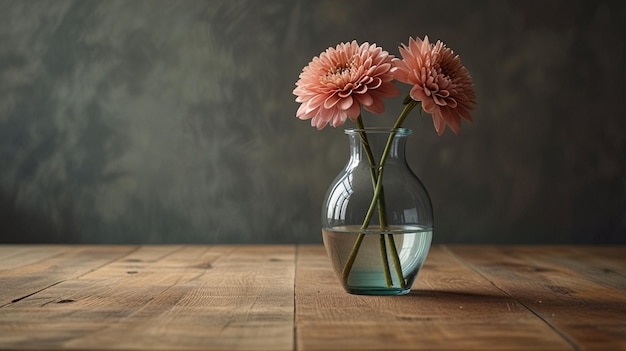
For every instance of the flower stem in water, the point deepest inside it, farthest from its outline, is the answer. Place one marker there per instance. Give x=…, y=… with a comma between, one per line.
x=396, y=260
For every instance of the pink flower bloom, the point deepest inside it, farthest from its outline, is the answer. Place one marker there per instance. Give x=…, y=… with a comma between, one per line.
x=442, y=84
x=337, y=83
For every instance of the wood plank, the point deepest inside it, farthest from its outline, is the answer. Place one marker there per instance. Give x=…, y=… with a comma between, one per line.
x=605, y=265
x=572, y=290
x=451, y=307
x=14, y=256
x=26, y=270
x=165, y=298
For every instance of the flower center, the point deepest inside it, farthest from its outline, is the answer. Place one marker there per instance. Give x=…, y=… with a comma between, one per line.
x=340, y=69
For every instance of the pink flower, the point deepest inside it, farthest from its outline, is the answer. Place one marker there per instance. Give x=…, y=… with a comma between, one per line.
x=337, y=83
x=442, y=84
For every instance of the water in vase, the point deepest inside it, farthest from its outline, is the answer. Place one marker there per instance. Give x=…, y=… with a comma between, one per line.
x=367, y=273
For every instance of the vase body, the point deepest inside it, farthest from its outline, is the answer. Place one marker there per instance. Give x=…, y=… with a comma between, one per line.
x=377, y=247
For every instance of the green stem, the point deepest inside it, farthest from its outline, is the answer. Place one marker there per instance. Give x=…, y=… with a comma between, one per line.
x=383, y=256
x=396, y=260
x=381, y=213
x=410, y=104
x=378, y=197
x=372, y=163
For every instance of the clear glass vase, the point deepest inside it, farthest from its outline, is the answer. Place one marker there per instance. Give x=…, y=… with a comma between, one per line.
x=377, y=235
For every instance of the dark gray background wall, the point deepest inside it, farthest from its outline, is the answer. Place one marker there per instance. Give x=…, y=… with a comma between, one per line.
x=173, y=121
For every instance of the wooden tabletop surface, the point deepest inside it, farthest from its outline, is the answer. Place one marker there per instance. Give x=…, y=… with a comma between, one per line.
x=287, y=298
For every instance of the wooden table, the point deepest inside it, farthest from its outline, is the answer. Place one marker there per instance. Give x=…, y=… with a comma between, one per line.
x=287, y=298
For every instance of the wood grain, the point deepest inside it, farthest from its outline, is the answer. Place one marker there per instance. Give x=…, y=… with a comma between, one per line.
x=165, y=297
x=578, y=292
x=285, y=297
x=451, y=307
x=25, y=270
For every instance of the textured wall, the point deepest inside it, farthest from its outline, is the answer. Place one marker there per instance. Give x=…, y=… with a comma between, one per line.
x=173, y=121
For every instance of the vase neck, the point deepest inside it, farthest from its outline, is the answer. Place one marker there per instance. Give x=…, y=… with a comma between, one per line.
x=377, y=140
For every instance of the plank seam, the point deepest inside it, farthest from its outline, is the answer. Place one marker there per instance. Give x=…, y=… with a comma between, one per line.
x=63, y=280
x=31, y=294
x=563, y=335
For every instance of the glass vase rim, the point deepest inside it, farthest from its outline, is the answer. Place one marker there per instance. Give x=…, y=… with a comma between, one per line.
x=379, y=130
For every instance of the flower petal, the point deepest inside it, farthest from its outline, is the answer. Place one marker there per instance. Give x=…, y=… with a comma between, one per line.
x=442, y=84
x=331, y=101
x=377, y=106
x=365, y=99
x=346, y=103
x=342, y=79
x=440, y=123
